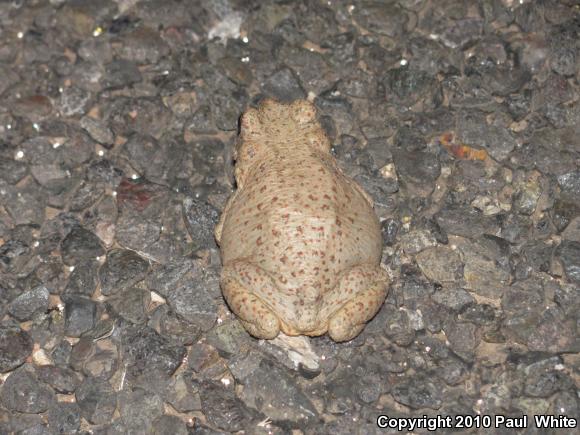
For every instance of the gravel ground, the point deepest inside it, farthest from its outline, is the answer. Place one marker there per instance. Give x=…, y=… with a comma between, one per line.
x=117, y=120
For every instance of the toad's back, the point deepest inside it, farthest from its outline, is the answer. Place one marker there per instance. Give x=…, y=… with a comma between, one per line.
x=302, y=220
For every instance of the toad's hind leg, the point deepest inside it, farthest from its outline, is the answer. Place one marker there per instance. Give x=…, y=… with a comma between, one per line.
x=370, y=288
x=255, y=316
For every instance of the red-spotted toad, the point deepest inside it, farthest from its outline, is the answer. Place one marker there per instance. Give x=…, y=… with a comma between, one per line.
x=300, y=242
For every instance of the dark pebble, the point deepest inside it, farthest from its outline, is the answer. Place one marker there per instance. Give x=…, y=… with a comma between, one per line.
x=96, y=400
x=122, y=269
x=30, y=303
x=64, y=417
x=23, y=392
x=79, y=245
x=15, y=347
x=80, y=315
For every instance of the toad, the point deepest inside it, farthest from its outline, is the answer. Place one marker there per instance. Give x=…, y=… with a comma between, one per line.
x=299, y=240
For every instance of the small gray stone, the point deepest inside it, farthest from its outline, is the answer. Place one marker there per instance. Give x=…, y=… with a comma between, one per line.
x=272, y=391
x=98, y=131
x=23, y=392
x=440, y=264
x=80, y=315
x=201, y=219
x=554, y=333
x=145, y=351
x=74, y=101
x=131, y=304
x=123, y=269
x=79, y=245
x=83, y=280
x=383, y=18
x=417, y=171
x=570, y=186
x=63, y=380
x=454, y=298
x=30, y=303
x=139, y=408
x=181, y=394
x=486, y=270
x=121, y=73
x=15, y=347
x=463, y=338
x=201, y=122
x=165, y=278
x=283, y=86
x=143, y=45
x=398, y=326
x=48, y=175
x=86, y=196
x=417, y=240
x=222, y=408
x=178, y=329
x=418, y=392
x=64, y=417
x=12, y=171
x=196, y=300
x=569, y=254
x=166, y=424
x=465, y=221
x=97, y=400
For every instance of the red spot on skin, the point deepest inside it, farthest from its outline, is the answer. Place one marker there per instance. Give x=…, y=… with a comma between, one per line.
x=275, y=233
x=259, y=241
x=326, y=196
x=299, y=229
x=338, y=222
x=259, y=226
x=275, y=199
x=283, y=259
x=259, y=206
x=263, y=189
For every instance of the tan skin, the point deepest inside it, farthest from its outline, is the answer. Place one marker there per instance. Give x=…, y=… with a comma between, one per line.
x=300, y=242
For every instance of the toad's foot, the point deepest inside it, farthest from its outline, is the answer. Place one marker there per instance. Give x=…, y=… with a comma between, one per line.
x=370, y=289
x=255, y=316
